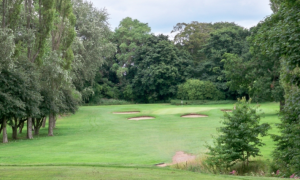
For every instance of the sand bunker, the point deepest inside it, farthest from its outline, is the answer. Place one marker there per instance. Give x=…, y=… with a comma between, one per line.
x=128, y=112
x=194, y=116
x=226, y=110
x=141, y=118
x=180, y=157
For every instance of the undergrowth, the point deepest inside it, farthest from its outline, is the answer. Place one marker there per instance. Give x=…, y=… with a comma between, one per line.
x=109, y=102
x=257, y=167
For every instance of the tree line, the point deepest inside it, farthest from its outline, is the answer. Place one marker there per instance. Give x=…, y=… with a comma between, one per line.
x=150, y=68
x=49, y=50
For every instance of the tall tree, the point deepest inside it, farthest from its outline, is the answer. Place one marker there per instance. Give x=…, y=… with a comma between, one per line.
x=62, y=37
x=129, y=35
x=157, y=69
x=39, y=20
x=92, y=47
x=192, y=37
x=281, y=35
x=229, y=39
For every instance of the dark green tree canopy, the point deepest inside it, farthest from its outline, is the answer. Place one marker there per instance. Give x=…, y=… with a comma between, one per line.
x=157, y=70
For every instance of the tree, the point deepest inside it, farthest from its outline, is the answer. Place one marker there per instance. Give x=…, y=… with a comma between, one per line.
x=19, y=94
x=275, y=5
x=39, y=19
x=92, y=47
x=280, y=35
x=229, y=39
x=158, y=67
x=129, y=35
x=239, y=137
x=192, y=37
x=286, y=154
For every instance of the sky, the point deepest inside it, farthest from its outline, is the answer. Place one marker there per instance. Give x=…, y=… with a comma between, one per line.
x=163, y=15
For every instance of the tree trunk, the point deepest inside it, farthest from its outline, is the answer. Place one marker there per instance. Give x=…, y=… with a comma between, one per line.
x=15, y=129
x=54, y=122
x=29, y=128
x=51, y=124
x=44, y=122
x=247, y=159
x=282, y=104
x=36, y=131
x=37, y=125
x=5, y=139
x=1, y=127
x=21, y=127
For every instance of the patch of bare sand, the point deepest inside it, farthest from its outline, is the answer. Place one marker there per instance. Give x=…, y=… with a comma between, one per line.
x=141, y=118
x=128, y=112
x=194, y=116
x=179, y=157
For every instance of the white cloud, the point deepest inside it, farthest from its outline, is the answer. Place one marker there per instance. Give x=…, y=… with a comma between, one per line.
x=162, y=15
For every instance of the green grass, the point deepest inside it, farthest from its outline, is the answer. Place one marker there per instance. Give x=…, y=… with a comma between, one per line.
x=96, y=137
x=107, y=173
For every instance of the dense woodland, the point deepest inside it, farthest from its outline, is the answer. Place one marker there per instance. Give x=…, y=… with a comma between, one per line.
x=58, y=54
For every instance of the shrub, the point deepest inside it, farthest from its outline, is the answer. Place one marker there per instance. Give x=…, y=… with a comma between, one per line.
x=287, y=152
x=103, y=101
x=238, y=140
x=194, y=89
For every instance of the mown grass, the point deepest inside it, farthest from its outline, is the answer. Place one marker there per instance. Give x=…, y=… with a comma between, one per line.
x=108, y=173
x=95, y=136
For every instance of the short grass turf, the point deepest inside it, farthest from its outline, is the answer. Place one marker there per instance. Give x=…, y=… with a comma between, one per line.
x=108, y=173
x=95, y=136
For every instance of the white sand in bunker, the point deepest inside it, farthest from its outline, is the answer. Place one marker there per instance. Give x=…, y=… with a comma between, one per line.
x=194, y=116
x=141, y=118
x=179, y=157
x=127, y=112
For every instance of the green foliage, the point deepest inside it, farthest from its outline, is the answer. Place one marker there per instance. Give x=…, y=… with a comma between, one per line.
x=287, y=151
x=200, y=102
x=230, y=38
x=91, y=47
x=158, y=68
x=194, y=89
x=129, y=35
x=275, y=5
x=257, y=76
x=7, y=48
x=45, y=24
x=103, y=101
x=239, y=137
x=192, y=37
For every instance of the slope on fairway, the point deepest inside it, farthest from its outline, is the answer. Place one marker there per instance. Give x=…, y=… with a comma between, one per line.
x=96, y=136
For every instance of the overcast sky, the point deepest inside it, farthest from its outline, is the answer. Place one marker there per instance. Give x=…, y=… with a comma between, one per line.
x=162, y=15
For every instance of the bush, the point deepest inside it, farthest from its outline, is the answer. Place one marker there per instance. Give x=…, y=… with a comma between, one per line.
x=103, y=101
x=238, y=140
x=194, y=89
x=200, y=102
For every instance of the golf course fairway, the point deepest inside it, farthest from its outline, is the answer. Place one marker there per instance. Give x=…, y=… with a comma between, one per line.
x=95, y=143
